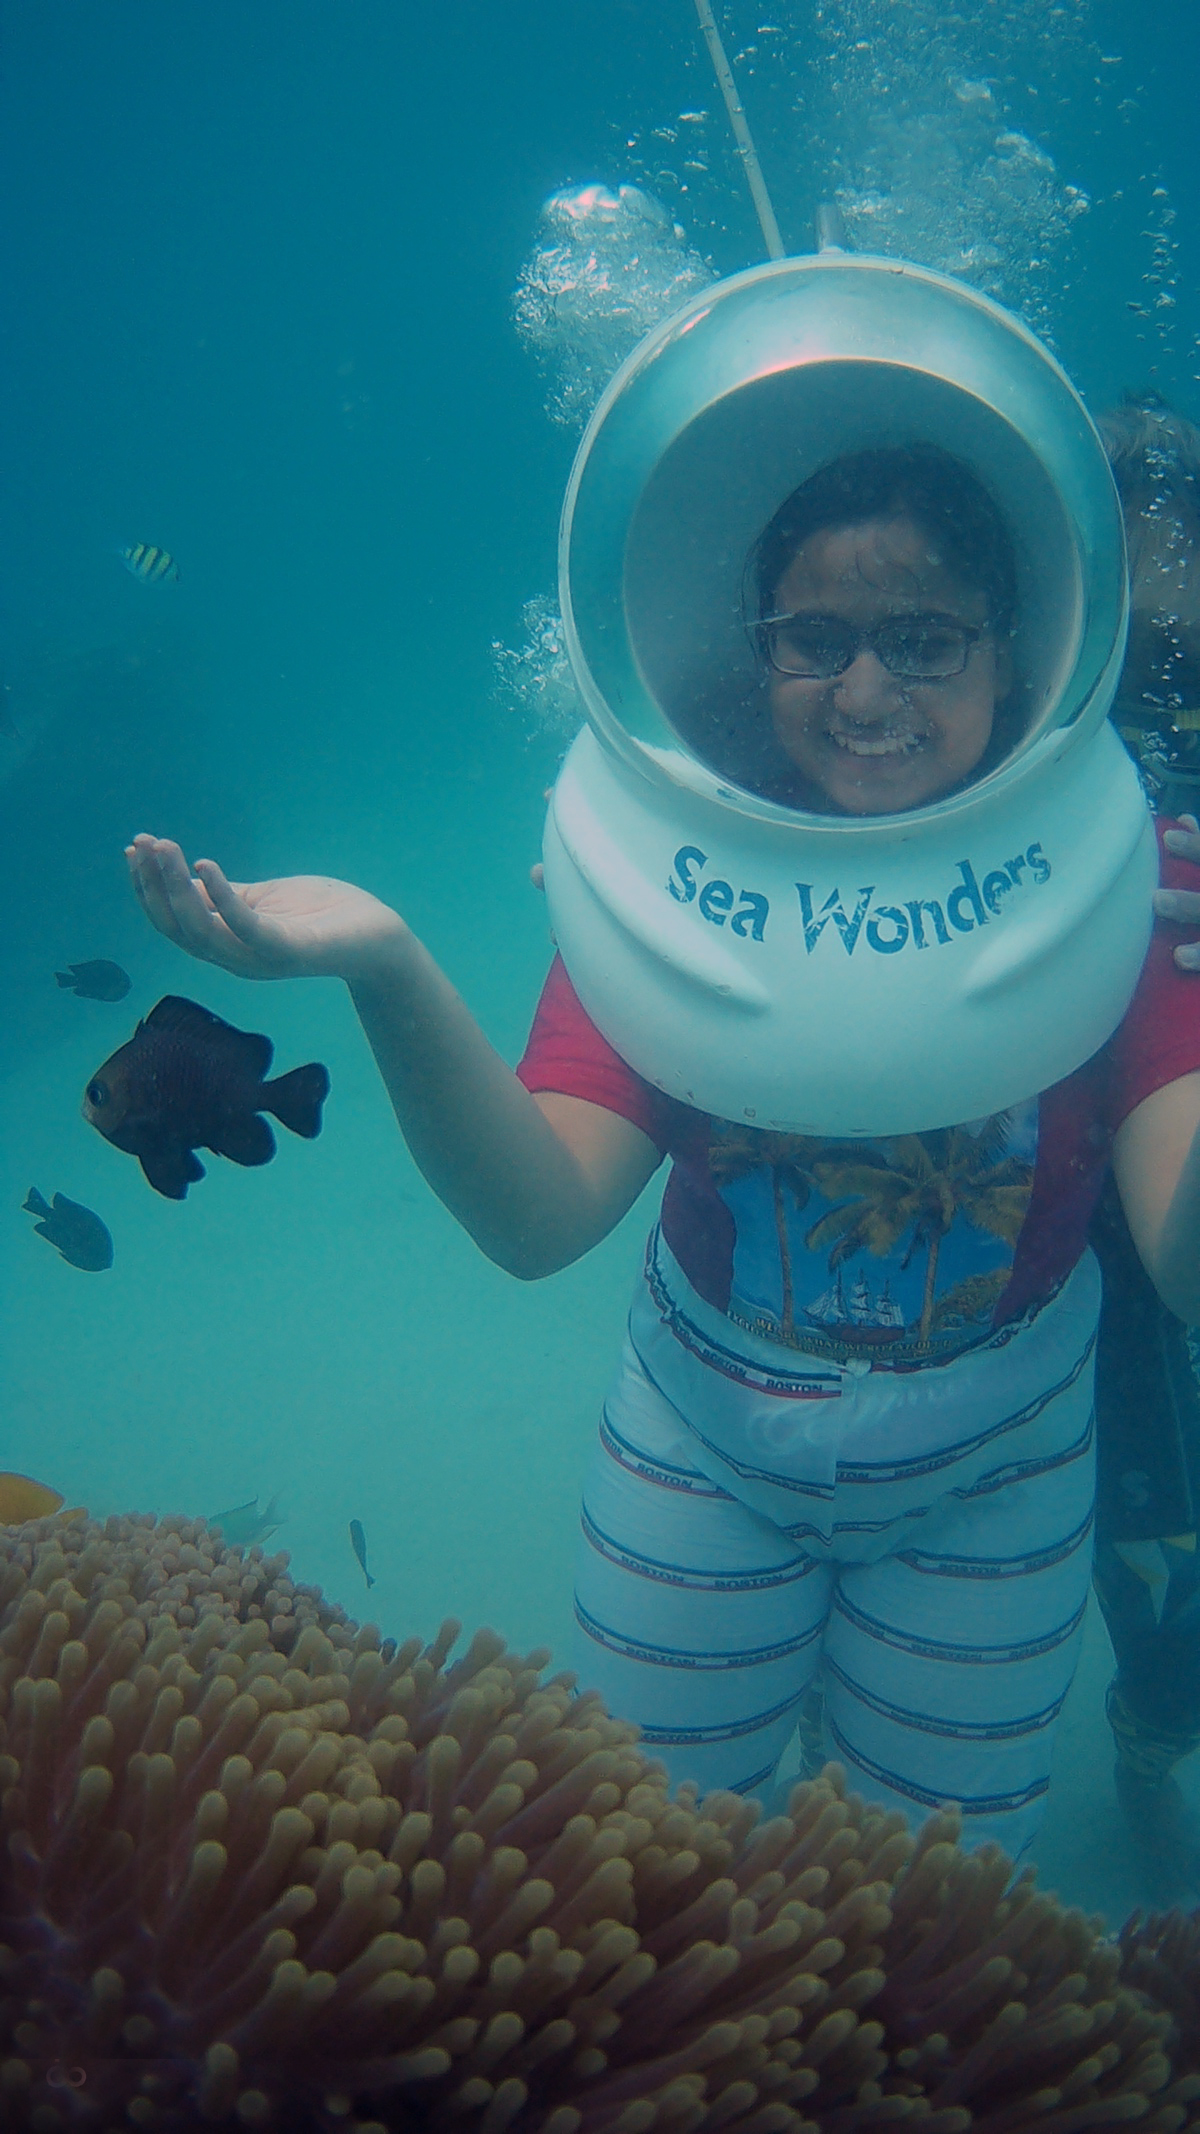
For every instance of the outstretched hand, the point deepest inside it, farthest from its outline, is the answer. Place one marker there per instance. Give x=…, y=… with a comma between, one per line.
x=1183, y=905
x=305, y=926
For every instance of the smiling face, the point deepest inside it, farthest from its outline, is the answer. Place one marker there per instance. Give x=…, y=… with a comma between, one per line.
x=867, y=741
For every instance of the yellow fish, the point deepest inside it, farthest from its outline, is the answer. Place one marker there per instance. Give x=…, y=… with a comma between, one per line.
x=21, y=1498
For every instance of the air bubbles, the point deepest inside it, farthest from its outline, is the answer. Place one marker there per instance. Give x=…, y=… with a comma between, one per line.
x=534, y=679
x=1018, y=148
x=609, y=266
x=927, y=116
x=968, y=91
x=1161, y=275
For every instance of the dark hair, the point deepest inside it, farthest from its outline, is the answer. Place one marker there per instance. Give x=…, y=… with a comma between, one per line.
x=1153, y=452
x=1155, y=458
x=930, y=486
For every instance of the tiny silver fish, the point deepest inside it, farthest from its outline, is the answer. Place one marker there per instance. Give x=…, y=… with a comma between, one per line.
x=358, y=1542
x=150, y=565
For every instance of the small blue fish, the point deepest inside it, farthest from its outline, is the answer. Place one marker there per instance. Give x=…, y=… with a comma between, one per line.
x=76, y=1231
x=150, y=565
x=243, y=1524
x=358, y=1542
x=98, y=980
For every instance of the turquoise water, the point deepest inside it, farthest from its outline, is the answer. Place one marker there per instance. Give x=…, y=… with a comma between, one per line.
x=258, y=269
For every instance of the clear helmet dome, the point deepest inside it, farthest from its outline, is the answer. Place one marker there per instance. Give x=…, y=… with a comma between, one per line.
x=724, y=412
x=758, y=950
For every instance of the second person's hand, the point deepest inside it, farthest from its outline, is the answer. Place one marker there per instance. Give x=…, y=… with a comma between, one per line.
x=1182, y=906
x=302, y=926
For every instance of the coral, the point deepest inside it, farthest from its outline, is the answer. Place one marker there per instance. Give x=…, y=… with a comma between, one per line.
x=998, y=1998
x=1160, y=1953
x=265, y=1870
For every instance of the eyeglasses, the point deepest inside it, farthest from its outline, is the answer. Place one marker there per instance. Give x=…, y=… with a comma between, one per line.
x=914, y=648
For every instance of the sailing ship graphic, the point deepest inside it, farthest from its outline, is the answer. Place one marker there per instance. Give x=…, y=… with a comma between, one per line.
x=858, y=1309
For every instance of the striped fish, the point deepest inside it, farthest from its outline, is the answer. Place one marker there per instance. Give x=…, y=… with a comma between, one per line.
x=153, y=566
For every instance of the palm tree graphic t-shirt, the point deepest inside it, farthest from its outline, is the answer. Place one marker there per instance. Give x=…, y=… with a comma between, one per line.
x=885, y=1245
x=900, y=1253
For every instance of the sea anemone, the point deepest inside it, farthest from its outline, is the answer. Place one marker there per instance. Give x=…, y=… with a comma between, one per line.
x=1160, y=1954
x=264, y=1869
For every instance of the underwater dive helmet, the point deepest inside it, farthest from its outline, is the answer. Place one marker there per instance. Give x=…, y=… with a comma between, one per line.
x=820, y=973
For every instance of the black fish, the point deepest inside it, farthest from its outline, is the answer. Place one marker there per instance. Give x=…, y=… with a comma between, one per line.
x=187, y=1080
x=98, y=980
x=80, y=1236
x=358, y=1542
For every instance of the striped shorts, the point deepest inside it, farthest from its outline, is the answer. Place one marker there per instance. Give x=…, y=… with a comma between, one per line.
x=923, y=1540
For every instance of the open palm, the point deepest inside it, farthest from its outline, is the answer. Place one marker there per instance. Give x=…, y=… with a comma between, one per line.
x=303, y=926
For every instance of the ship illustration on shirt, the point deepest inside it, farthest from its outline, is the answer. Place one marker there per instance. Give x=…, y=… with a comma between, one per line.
x=860, y=1309
x=902, y=1245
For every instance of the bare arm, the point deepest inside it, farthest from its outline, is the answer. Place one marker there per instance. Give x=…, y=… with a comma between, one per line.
x=537, y=1181
x=1156, y=1154
x=1156, y=1158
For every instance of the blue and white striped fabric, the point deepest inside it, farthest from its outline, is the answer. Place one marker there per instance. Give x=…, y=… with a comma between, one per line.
x=921, y=1537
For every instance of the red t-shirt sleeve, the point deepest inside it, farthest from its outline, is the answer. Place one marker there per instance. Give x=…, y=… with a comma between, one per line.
x=567, y=1054
x=1159, y=1039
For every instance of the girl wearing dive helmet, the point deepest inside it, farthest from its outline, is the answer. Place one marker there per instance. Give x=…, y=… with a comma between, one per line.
x=852, y=1422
